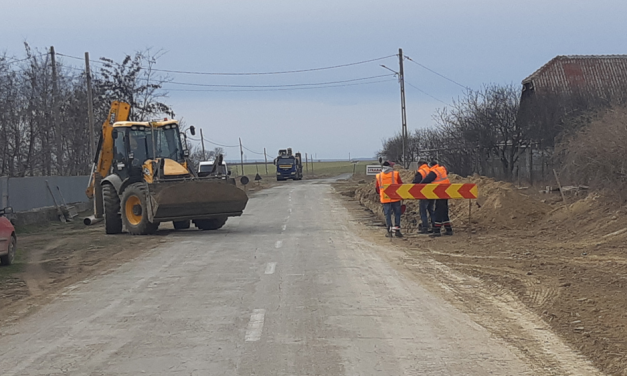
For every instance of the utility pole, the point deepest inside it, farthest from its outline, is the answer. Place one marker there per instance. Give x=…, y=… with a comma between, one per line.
x=241, y=152
x=55, y=112
x=401, y=79
x=265, y=156
x=202, y=143
x=306, y=164
x=90, y=110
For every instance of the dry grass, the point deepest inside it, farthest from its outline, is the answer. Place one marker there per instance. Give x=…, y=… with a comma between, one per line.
x=597, y=155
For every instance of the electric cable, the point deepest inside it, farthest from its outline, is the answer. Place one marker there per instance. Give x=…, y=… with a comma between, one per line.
x=250, y=73
x=425, y=93
x=275, y=89
x=221, y=145
x=434, y=72
x=254, y=152
x=16, y=61
x=274, y=86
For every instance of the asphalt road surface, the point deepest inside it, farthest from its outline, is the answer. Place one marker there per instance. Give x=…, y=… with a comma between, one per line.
x=286, y=289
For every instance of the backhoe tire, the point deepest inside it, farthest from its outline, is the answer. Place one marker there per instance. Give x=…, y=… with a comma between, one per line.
x=210, y=224
x=181, y=225
x=112, y=216
x=135, y=211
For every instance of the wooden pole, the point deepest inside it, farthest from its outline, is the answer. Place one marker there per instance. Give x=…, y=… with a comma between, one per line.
x=469, y=217
x=265, y=156
x=90, y=110
x=55, y=112
x=531, y=163
x=401, y=79
x=306, y=164
x=241, y=151
x=559, y=185
x=202, y=143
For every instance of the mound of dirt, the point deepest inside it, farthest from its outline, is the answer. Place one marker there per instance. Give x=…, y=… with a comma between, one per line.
x=500, y=204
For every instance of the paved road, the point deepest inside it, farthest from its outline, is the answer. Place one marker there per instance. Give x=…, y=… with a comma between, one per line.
x=287, y=289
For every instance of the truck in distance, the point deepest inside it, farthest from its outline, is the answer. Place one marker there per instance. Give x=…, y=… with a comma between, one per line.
x=288, y=165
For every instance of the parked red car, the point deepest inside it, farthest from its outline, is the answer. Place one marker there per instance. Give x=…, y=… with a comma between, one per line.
x=8, y=239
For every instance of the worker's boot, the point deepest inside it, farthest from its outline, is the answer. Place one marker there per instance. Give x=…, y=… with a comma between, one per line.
x=436, y=232
x=449, y=230
x=389, y=233
x=398, y=234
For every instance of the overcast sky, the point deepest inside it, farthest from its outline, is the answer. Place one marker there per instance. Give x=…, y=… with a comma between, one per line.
x=470, y=42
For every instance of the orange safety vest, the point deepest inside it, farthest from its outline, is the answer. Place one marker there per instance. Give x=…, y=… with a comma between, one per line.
x=386, y=179
x=424, y=170
x=441, y=175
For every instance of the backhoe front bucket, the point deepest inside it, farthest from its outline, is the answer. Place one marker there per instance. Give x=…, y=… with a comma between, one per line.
x=195, y=199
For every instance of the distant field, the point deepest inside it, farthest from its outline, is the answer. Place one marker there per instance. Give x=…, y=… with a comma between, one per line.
x=320, y=169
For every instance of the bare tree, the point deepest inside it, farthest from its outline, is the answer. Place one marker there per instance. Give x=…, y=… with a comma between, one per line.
x=43, y=126
x=134, y=82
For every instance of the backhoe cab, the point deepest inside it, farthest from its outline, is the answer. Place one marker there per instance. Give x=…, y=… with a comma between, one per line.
x=142, y=177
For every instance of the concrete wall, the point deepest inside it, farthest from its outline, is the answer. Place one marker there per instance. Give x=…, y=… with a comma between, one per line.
x=31, y=192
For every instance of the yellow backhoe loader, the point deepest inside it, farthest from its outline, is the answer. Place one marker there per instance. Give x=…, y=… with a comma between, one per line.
x=142, y=177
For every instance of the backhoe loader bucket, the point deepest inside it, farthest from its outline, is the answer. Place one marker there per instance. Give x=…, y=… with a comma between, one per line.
x=195, y=199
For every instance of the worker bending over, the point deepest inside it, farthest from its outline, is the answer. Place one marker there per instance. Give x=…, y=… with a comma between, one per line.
x=439, y=175
x=426, y=206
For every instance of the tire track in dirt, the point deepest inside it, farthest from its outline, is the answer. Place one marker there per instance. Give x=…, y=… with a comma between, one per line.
x=34, y=275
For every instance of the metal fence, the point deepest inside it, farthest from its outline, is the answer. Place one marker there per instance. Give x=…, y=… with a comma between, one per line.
x=32, y=192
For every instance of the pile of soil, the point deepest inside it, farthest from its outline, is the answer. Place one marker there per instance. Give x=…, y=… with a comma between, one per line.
x=500, y=204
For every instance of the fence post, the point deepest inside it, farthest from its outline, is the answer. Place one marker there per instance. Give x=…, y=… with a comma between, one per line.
x=4, y=189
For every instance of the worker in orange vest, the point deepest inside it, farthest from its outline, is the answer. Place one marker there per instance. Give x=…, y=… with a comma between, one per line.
x=439, y=175
x=385, y=177
x=425, y=206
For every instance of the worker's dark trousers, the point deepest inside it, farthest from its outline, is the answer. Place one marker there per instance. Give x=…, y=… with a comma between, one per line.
x=388, y=209
x=426, y=207
x=441, y=216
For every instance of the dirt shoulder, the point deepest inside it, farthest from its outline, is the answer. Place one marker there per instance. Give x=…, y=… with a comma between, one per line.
x=565, y=263
x=53, y=256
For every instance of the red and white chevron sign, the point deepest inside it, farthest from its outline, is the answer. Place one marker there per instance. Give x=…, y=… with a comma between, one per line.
x=430, y=191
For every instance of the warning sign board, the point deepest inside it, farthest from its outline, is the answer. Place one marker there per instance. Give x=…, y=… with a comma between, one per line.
x=430, y=191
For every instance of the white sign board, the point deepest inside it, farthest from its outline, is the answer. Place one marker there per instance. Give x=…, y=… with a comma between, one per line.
x=373, y=169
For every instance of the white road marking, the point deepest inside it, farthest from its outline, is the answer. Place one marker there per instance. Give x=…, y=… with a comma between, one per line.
x=255, y=325
x=270, y=267
x=283, y=228
x=290, y=210
x=279, y=244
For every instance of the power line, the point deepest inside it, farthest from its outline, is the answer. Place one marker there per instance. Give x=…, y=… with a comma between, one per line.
x=221, y=145
x=280, y=89
x=276, y=72
x=425, y=93
x=16, y=61
x=275, y=86
x=434, y=72
x=254, y=152
x=252, y=73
